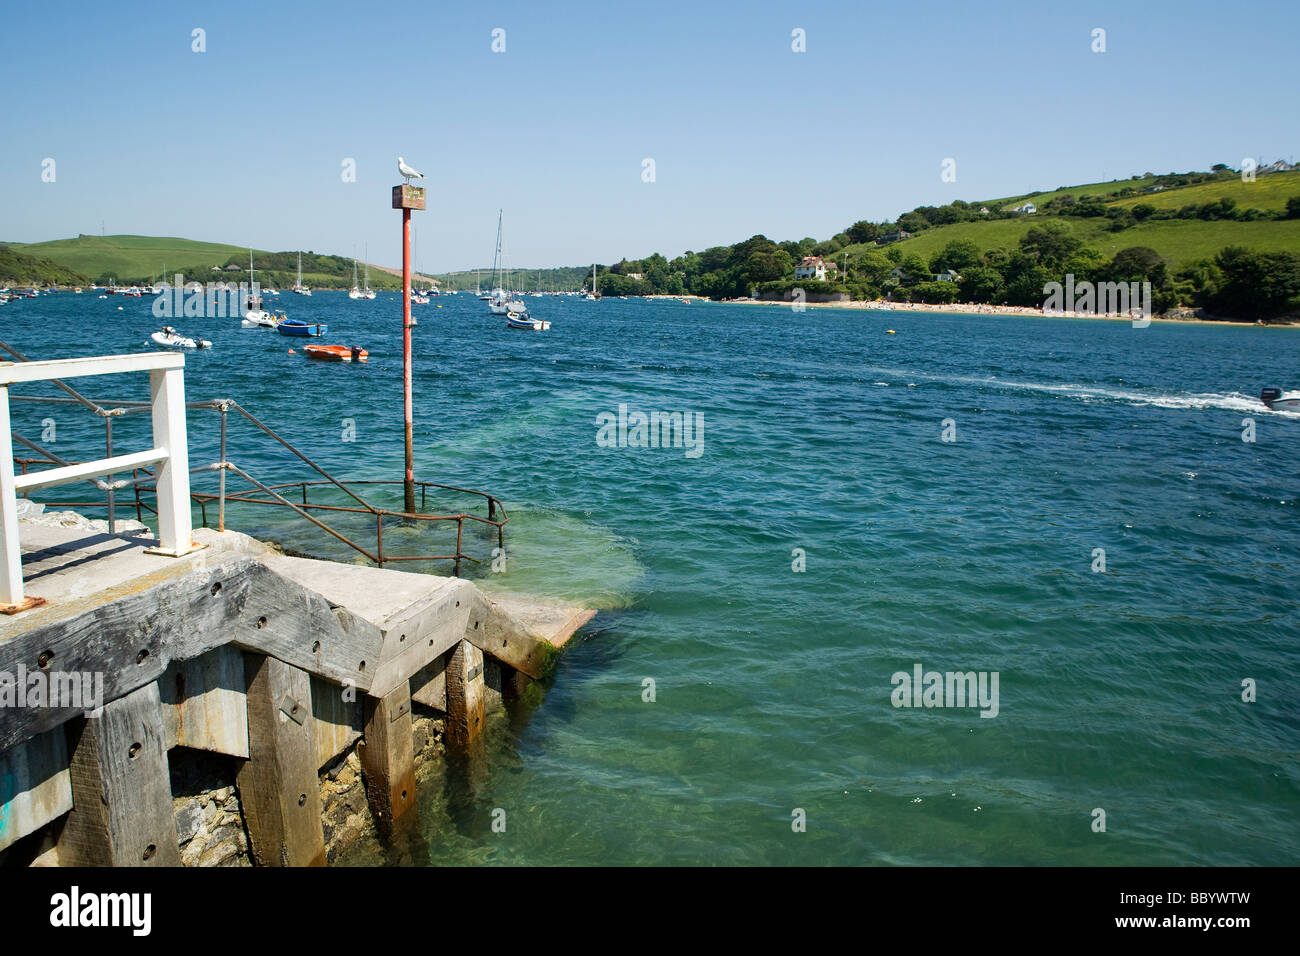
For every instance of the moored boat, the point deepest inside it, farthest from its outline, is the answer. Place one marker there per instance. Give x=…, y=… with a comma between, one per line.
x=522, y=320
x=298, y=327
x=336, y=353
x=261, y=319
x=170, y=338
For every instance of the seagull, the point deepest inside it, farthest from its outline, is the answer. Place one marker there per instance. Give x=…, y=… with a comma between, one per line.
x=407, y=171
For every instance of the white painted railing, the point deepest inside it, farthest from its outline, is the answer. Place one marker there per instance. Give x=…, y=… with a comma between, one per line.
x=170, y=454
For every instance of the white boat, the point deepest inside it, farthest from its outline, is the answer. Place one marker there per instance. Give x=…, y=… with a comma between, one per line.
x=1279, y=401
x=355, y=291
x=261, y=319
x=298, y=287
x=501, y=302
x=254, y=314
x=522, y=320
x=172, y=339
x=366, y=291
x=594, y=294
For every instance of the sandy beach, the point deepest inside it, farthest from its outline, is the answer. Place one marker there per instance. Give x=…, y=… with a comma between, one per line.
x=999, y=310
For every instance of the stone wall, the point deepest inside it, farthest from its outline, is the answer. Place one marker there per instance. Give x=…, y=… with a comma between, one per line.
x=210, y=820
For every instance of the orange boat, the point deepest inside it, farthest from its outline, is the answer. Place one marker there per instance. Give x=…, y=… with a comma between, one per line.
x=336, y=353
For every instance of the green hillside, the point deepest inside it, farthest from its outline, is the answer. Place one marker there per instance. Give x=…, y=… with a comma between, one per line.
x=1268, y=193
x=1180, y=241
x=20, y=269
x=133, y=258
x=141, y=259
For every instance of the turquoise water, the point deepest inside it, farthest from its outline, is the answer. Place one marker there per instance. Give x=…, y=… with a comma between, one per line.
x=1118, y=690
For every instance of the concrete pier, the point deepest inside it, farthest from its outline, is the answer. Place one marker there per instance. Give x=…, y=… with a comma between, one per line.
x=280, y=664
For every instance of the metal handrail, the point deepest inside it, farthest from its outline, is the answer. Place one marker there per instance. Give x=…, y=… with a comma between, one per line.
x=142, y=477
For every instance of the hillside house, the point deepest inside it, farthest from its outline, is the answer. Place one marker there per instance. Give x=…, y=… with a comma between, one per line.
x=947, y=275
x=1027, y=208
x=811, y=267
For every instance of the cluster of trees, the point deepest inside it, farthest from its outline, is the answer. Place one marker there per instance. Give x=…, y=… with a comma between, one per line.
x=19, y=269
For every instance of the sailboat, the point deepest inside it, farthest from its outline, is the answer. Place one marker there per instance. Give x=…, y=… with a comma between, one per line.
x=501, y=302
x=254, y=314
x=298, y=287
x=366, y=291
x=355, y=291
x=594, y=294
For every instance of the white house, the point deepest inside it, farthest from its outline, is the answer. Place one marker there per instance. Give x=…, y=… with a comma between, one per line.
x=947, y=275
x=811, y=267
x=1027, y=208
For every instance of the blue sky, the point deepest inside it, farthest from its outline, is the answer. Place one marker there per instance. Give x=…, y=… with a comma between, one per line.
x=244, y=143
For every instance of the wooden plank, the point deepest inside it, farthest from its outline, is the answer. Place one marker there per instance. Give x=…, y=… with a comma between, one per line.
x=203, y=702
x=277, y=784
x=338, y=720
x=388, y=758
x=50, y=477
x=35, y=785
x=121, y=788
x=494, y=631
x=421, y=633
x=429, y=685
x=466, y=695
x=129, y=633
x=286, y=621
x=90, y=365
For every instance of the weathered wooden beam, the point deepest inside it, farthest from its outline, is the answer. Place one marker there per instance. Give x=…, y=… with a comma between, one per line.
x=300, y=627
x=121, y=788
x=339, y=718
x=203, y=702
x=495, y=631
x=388, y=757
x=466, y=695
x=429, y=685
x=35, y=786
x=277, y=784
x=129, y=634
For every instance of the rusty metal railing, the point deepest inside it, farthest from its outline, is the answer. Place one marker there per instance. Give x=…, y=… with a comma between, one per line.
x=142, y=478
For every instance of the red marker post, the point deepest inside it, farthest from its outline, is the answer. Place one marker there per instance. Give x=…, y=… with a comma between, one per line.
x=407, y=198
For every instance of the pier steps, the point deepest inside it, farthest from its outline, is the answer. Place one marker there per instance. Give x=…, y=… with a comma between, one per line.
x=282, y=662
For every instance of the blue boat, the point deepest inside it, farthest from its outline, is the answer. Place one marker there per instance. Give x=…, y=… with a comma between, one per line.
x=297, y=327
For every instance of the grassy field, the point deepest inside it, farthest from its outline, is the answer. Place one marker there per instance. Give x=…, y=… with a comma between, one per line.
x=1180, y=241
x=142, y=258
x=1268, y=193
x=133, y=256
x=1087, y=189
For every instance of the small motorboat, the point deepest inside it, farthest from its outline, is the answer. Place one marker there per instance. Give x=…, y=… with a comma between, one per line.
x=1277, y=400
x=172, y=339
x=298, y=327
x=522, y=320
x=261, y=319
x=337, y=353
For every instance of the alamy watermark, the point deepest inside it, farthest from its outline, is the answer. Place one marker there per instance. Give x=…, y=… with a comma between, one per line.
x=922, y=688
x=637, y=429
x=76, y=690
x=1100, y=298
x=193, y=300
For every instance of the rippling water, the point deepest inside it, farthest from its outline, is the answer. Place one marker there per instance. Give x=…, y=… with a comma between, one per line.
x=1118, y=690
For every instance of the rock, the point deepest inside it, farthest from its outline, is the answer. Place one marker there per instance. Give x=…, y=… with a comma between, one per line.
x=219, y=854
x=354, y=762
x=225, y=834
x=28, y=508
x=190, y=854
x=189, y=820
x=222, y=795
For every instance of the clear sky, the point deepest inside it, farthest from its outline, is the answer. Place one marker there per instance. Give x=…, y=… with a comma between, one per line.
x=245, y=142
